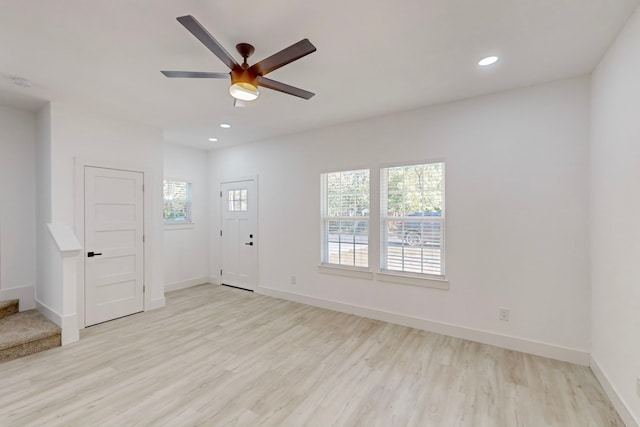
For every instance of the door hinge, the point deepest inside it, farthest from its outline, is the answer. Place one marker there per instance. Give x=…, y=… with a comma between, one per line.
x=221, y=194
x=220, y=233
x=143, y=188
x=143, y=238
x=144, y=288
x=220, y=272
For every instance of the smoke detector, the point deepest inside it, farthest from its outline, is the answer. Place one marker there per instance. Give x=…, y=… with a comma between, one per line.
x=21, y=82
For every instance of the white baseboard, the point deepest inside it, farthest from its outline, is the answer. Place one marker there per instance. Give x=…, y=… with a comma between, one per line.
x=612, y=394
x=156, y=303
x=25, y=294
x=184, y=284
x=565, y=354
x=70, y=330
x=68, y=323
x=214, y=280
x=49, y=313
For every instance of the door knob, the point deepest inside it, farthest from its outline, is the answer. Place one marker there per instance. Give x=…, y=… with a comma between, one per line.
x=250, y=243
x=92, y=254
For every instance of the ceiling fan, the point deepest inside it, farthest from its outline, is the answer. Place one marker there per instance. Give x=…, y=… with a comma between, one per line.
x=246, y=79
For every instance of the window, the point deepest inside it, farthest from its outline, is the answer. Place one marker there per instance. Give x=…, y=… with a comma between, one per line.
x=177, y=202
x=412, y=215
x=237, y=200
x=345, y=218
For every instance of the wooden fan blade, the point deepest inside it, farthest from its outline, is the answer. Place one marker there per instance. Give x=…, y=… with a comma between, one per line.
x=195, y=28
x=284, y=57
x=195, y=74
x=284, y=88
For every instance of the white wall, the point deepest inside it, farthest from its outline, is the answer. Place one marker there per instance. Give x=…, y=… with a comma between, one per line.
x=186, y=248
x=49, y=264
x=77, y=136
x=615, y=220
x=17, y=205
x=517, y=220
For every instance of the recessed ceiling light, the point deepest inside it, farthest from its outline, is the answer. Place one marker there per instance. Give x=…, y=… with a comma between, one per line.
x=213, y=139
x=22, y=82
x=489, y=60
x=225, y=125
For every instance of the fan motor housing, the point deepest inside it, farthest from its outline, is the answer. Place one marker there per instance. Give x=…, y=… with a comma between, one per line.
x=239, y=75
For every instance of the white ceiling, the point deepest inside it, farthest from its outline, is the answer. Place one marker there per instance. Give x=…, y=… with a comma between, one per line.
x=373, y=57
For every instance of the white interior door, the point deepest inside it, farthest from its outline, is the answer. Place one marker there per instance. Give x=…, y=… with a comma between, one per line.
x=239, y=238
x=113, y=241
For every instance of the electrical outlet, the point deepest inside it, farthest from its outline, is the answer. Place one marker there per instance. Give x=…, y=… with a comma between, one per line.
x=293, y=280
x=504, y=314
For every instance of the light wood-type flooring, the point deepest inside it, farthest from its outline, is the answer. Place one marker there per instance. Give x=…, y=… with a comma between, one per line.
x=217, y=356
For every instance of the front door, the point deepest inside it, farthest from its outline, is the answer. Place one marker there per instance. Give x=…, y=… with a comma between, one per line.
x=238, y=234
x=113, y=241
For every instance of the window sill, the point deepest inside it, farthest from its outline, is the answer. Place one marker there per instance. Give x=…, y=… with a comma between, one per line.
x=345, y=271
x=179, y=225
x=406, y=279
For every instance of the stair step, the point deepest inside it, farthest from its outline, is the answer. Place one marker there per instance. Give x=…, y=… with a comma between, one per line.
x=9, y=307
x=26, y=333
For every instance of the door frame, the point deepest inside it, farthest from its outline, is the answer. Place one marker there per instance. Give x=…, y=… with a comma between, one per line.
x=231, y=180
x=80, y=164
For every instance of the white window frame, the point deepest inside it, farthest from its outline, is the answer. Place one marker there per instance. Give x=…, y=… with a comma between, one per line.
x=325, y=265
x=188, y=220
x=403, y=276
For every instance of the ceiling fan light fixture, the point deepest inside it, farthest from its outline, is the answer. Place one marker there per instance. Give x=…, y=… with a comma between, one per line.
x=245, y=79
x=244, y=84
x=244, y=91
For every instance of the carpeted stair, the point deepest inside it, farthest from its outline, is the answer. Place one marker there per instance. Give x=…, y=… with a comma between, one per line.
x=24, y=333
